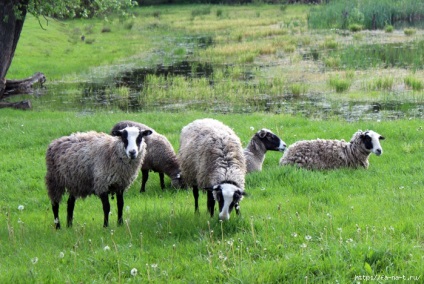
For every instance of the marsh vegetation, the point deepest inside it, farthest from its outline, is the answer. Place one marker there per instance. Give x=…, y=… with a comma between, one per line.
x=225, y=59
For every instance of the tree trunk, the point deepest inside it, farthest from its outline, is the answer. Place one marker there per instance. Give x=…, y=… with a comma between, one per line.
x=12, y=17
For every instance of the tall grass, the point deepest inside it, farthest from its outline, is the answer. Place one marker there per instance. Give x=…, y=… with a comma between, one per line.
x=323, y=226
x=385, y=56
x=369, y=14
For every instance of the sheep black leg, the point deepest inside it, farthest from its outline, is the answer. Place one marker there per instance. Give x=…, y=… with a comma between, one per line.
x=211, y=203
x=106, y=208
x=120, y=203
x=55, y=208
x=162, y=180
x=71, y=206
x=144, y=178
x=196, y=198
x=237, y=211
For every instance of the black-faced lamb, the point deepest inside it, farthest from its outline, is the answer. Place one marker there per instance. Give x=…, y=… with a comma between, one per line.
x=211, y=157
x=262, y=141
x=93, y=163
x=160, y=156
x=330, y=154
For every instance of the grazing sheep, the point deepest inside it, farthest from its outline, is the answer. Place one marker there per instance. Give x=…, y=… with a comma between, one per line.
x=330, y=154
x=262, y=141
x=160, y=156
x=211, y=157
x=93, y=163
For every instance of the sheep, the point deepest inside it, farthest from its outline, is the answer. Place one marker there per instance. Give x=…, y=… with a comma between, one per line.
x=211, y=157
x=330, y=154
x=160, y=156
x=93, y=163
x=262, y=141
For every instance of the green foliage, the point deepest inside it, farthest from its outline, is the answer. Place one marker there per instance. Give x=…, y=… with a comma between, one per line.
x=201, y=11
x=414, y=83
x=339, y=83
x=298, y=89
x=383, y=55
x=382, y=83
x=409, y=32
x=370, y=14
x=388, y=28
x=294, y=223
x=78, y=8
x=355, y=27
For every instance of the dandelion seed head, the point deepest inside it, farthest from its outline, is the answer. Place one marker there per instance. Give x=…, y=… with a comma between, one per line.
x=154, y=265
x=21, y=207
x=134, y=272
x=303, y=245
x=252, y=128
x=294, y=235
x=34, y=260
x=61, y=254
x=308, y=238
x=106, y=248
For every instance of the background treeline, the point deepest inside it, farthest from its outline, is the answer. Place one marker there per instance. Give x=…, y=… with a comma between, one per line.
x=227, y=2
x=369, y=14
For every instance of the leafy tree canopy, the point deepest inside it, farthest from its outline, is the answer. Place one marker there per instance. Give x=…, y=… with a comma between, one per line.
x=76, y=8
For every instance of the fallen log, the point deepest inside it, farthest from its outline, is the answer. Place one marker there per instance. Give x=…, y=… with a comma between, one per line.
x=24, y=86
x=18, y=105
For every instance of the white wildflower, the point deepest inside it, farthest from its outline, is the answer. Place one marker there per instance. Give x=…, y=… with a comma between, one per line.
x=252, y=128
x=106, y=248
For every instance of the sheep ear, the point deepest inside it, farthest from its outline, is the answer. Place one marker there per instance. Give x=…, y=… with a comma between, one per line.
x=209, y=188
x=146, y=132
x=117, y=133
x=262, y=133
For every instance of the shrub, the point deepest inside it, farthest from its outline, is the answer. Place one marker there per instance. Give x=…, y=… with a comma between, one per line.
x=413, y=83
x=385, y=83
x=340, y=84
x=297, y=89
x=106, y=30
x=388, y=28
x=330, y=43
x=332, y=62
x=355, y=27
x=409, y=32
x=200, y=11
x=219, y=13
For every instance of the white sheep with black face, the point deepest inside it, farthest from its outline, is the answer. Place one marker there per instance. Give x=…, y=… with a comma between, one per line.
x=263, y=140
x=211, y=157
x=93, y=163
x=160, y=156
x=330, y=154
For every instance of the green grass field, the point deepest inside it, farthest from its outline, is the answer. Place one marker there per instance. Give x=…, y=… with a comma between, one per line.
x=296, y=226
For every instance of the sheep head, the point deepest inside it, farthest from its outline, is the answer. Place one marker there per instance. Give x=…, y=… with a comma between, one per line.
x=132, y=138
